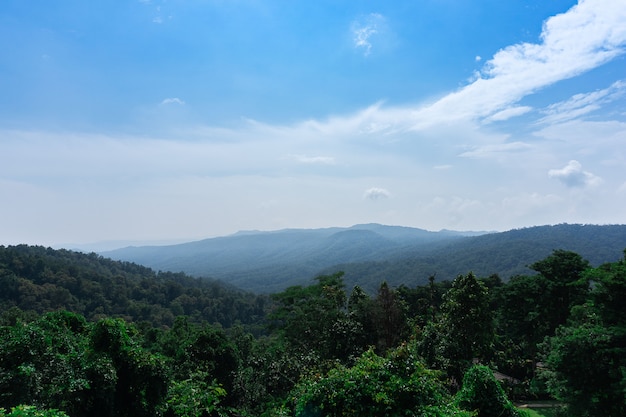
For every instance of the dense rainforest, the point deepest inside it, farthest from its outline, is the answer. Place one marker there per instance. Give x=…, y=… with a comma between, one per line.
x=82, y=335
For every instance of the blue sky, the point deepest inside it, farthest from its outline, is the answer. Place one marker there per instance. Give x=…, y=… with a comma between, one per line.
x=151, y=120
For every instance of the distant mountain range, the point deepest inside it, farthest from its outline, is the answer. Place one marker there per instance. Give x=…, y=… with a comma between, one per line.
x=267, y=262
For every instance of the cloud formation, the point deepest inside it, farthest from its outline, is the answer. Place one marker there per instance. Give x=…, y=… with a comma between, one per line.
x=588, y=35
x=473, y=152
x=573, y=175
x=584, y=103
x=376, y=193
x=305, y=159
x=364, y=28
x=583, y=38
x=173, y=100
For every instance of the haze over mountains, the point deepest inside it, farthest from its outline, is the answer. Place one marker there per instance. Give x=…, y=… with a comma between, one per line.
x=269, y=262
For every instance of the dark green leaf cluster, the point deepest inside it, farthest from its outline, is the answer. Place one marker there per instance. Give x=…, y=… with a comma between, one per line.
x=396, y=384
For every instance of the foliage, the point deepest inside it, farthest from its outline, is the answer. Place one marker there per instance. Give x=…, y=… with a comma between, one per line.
x=393, y=385
x=465, y=330
x=195, y=397
x=484, y=395
x=315, y=318
x=30, y=411
x=44, y=363
x=321, y=352
x=563, y=273
x=529, y=308
x=40, y=279
x=131, y=381
x=586, y=359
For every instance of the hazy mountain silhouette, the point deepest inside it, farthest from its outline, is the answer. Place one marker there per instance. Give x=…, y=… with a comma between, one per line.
x=369, y=254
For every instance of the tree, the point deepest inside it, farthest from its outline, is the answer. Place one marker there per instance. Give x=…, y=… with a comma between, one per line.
x=31, y=411
x=127, y=379
x=391, y=385
x=390, y=320
x=533, y=307
x=484, y=395
x=563, y=272
x=315, y=318
x=466, y=325
x=586, y=359
x=43, y=363
x=194, y=397
x=522, y=314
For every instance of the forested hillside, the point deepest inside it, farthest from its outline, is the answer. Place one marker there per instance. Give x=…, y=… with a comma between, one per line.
x=507, y=254
x=266, y=262
x=272, y=261
x=39, y=279
x=82, y=336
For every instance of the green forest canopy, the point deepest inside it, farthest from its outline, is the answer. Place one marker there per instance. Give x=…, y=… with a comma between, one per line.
x=87, y=336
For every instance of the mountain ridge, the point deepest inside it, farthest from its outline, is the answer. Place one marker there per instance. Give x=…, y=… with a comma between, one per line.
x=371, y=253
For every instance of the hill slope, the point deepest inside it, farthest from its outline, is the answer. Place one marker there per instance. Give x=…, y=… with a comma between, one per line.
x=506, y=254
x=38, y=279
x=268, y=262
x=271, y=261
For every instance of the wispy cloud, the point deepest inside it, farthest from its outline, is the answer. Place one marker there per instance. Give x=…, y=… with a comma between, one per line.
x=581, y=104
x=364, y=28
x=305, y=159
x=491, y=150
x=573, y=175
x=173, y=100
x=585, y=37
x=588, y=35
x=508, y=113
x=376, y=193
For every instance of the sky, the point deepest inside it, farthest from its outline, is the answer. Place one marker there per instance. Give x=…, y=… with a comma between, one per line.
x=174, y=120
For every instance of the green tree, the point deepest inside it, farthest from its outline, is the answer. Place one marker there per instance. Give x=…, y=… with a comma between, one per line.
x=531, y=308
x=43, y=363
x=484, y=395
x=466, y=325
x=563, y=271
x=396, y=384
x=390, y=319
x=315, y=319
x=127, y=379
x=522, y=323
x=361, y=310
x=194, y=397
x=586, y=359
x=31, y=411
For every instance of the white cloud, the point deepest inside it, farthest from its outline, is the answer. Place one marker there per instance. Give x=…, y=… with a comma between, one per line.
x=496, y=149
x=508, y=113
x=581, y=104
x=305, y=159
x=586, y=36
x=364, y=28
x=177, y=174
x=376, y=193
x=572, y=175
x=173, y=100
